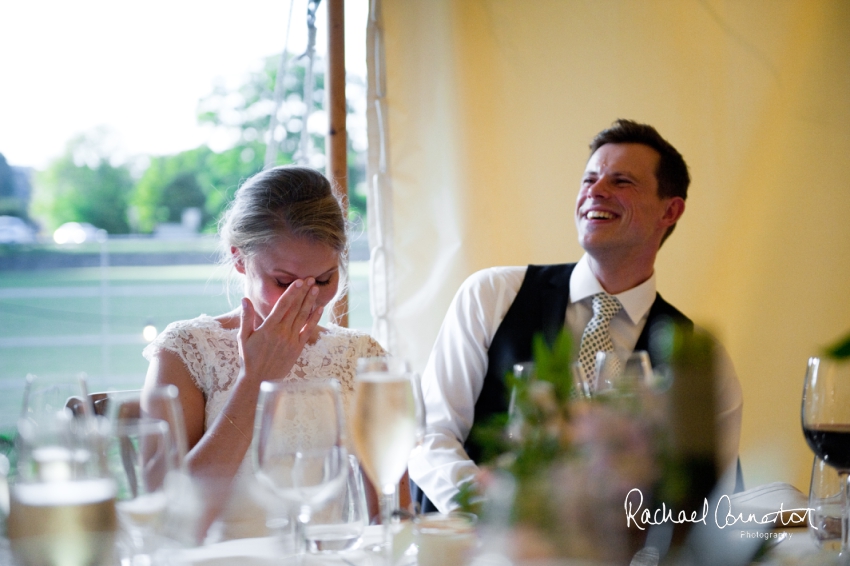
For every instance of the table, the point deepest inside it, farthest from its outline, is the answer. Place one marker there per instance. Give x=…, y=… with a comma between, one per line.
x=269, y=551
x=796, y=549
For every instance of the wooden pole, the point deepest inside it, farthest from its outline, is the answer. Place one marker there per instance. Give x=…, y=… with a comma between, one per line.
x=337, y=140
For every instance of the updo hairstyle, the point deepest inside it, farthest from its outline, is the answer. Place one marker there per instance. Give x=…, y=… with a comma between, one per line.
x=286, y=201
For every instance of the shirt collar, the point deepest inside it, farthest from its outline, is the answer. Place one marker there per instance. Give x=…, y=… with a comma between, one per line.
x=636, y=301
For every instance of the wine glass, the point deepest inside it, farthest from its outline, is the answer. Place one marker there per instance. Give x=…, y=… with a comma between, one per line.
x=62, y=500
x=826, y=425
x=140, y=460
x=826, y=504
x=385, y=429
x=182, y=520
x=614, y=373
x=298, y=446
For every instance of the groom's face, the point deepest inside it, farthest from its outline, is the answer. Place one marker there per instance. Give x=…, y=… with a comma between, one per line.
x=618, y=206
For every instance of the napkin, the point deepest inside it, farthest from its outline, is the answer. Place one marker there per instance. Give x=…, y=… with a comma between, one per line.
x=770, y=498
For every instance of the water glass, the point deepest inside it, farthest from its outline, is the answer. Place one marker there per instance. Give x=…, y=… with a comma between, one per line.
x=339, y=523
x=445, y=539
x=62, y=501
x=139, y=458
x=826, y=501
x=625, y=375
x=298, y=449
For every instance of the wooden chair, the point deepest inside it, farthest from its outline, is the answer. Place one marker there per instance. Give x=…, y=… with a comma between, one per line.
x=129, y=409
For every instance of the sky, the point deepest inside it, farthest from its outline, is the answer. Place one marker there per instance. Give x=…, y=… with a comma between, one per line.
x=138, y=68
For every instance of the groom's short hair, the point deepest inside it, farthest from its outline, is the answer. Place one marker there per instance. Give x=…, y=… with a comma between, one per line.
x=672, y=171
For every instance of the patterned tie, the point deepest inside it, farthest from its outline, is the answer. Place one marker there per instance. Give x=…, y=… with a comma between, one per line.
x=596, y=337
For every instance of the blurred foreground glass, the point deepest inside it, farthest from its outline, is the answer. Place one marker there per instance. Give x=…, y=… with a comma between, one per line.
x=625, y=375
x=140, y=461
x=338, y=524
x=62, y=502
x=185, y=507
x=298, y=449
x=161, y=403
x=386, y=427
x=445, y=539
x=826, y=425
x=826, y=501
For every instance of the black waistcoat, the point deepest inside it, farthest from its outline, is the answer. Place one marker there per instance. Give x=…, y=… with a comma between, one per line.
x=540, y=307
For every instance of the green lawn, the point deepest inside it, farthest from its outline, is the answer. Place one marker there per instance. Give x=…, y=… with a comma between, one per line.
x=58, y=322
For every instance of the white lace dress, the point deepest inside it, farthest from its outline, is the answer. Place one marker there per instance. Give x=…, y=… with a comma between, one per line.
x=211, y=355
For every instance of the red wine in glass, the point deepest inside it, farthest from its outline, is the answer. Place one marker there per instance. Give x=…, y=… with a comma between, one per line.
x=831, y=442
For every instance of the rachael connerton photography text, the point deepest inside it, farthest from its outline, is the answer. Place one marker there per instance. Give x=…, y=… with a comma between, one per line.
x=724, y=516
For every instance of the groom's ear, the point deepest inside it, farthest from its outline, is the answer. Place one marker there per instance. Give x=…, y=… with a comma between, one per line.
x=238, y=260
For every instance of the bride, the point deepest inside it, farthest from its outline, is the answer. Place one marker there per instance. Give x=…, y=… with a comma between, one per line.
x=285, y=234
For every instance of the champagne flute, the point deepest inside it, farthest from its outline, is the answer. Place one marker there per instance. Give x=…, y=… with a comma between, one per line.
x=62, y=502
x=826, y=425
x=298, y=446
x=385, y=429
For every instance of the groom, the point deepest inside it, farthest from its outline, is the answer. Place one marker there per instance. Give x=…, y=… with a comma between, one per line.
x=631, y=196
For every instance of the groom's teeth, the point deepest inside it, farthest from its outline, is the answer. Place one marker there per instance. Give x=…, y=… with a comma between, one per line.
x=598, y=214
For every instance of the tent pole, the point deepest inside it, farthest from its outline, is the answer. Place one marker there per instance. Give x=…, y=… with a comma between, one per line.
x=337, y=140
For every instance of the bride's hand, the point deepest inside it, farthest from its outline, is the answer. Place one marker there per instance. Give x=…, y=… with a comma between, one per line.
x=270, y=347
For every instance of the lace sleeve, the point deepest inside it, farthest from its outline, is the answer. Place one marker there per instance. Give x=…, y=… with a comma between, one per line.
x=368, y=347
x=189, y=340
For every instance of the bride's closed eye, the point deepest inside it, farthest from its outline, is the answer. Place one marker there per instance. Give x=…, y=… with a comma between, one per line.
x=287, y=284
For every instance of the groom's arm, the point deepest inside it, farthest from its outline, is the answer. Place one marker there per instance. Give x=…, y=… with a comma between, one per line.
x=453, y=379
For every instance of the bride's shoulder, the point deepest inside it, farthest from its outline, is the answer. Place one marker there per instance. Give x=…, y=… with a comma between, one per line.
x=203, y=324
x=358, y=341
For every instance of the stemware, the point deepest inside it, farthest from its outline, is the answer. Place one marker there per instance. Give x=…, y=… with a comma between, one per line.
x=140, y=460
x=339, y=524
x=298, y=447
x=624, y=375
x=162, y=403
x=826, y=425
x=62, y=500
x=826, y=502
x=386, y=427
x=182, y=519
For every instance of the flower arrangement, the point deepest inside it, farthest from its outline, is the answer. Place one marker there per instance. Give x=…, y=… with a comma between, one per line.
x=571, y=459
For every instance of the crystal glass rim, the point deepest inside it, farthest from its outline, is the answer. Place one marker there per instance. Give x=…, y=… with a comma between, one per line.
x=299, y=385
x=382, y=364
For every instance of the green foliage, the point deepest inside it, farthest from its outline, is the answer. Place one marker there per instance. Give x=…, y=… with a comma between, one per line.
x=535, y=435
x=554, y=365
x=244, y=114
x=7, y=179
x=197, y=172
x=182, y=193
x=10, y=203
x=83, y=186
x=840, y=350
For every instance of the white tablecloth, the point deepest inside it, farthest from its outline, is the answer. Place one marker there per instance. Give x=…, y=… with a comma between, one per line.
x=798, y=549
x=270, y=551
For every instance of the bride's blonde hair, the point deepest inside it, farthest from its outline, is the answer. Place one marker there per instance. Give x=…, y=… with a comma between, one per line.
x=285, y=201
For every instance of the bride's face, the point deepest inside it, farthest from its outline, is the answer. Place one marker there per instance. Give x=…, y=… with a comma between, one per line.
x=270, y=271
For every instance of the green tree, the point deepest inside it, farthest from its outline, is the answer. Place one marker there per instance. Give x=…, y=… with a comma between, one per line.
x=246, y=113
x=9, y=203
x=215, y=175
x=243, y=114
x=182, y=193
x=83, y=186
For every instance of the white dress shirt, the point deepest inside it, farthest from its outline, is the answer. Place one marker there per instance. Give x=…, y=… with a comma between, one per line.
x=454, y=375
